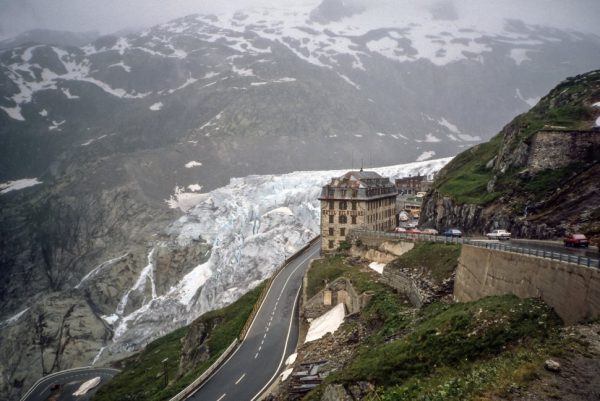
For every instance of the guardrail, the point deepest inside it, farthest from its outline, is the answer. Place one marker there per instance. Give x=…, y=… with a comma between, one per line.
x=186, y=392
x=54, y=374
x=540, y=253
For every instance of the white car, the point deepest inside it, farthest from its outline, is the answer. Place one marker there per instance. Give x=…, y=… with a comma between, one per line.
x=498, y=234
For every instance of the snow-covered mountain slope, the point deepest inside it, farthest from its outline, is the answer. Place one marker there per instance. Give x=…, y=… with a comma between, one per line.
x=398, y=84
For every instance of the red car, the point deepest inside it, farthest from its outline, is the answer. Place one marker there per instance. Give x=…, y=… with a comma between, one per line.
x=413, y=231
x=576, y=240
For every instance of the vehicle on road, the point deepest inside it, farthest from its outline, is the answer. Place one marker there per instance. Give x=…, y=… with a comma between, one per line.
x=576, y=240
x=430, y=231
x=452, y=232
x=413, y=231
x=499, y=235
x=400, y=229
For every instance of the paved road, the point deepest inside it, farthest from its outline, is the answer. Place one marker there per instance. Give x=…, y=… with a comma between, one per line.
x=69, y=381
x=554, y=246
x=270, y=340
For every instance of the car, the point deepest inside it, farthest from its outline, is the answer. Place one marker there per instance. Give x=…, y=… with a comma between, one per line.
x=400, y=229
x=452, y=232
x=413, y=231
x=430, y=231
x=498, y=234
x=576, y=240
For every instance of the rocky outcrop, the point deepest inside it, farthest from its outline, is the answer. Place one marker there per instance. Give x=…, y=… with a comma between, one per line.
x=194, y=347
x=541, y=177
x=59, y=331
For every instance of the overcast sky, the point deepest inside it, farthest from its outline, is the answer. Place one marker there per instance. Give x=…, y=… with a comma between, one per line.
x=108, y=16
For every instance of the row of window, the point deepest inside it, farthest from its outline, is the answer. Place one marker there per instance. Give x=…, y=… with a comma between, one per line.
x=343, y=205
x=342, y=231
x=343, y=219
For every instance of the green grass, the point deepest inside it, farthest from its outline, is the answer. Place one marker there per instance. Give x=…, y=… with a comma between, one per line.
x=439, y=259
x=450, y=335
x=141, y=377
x=465, y=178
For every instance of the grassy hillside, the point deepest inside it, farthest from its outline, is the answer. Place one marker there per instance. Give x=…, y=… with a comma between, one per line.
x=142, y=374
x=569, y=106
x=443, y=351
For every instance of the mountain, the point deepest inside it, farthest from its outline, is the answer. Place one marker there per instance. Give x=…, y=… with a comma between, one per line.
x=94, y=139
x=538, y=177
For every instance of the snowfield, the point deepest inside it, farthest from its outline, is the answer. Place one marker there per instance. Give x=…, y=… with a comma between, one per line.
x=253, y=224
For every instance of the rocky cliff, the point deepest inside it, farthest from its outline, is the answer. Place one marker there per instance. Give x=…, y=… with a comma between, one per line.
x=538, y=177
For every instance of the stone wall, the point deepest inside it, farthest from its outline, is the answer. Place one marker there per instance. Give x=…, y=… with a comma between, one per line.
x=572, y=290
x=555, y=149
x=404, y=284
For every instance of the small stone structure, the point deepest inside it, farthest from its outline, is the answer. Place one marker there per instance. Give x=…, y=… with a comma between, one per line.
x=338, y=291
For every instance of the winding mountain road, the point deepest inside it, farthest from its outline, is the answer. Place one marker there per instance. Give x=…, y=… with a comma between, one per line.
x=272, y=337
x=69, y=381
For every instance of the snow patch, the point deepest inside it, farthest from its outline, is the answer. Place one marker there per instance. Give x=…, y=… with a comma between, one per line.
x=195, y=187
x=56, y=125
x=432, y=138
x=156, y=106
x=193, y=163
x=426, y=155
x=291, y=359
x=281, y=210
x=16, y=185
x=286, y=373
x=326, y=323
x=43, y=113
x=445, y=123
x=14, y=318
x=68, y=94
x=378, y=267
x=519, y=55
x=14, y=112
x=532, y=101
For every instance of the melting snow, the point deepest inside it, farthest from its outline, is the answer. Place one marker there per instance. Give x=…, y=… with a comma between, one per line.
x=519, y=55
x=68, y=94
x=156, y=106
x=13, y=318
x=431, y=138
x=18, y=184
x=378, y=267
x=195, y=187
x=426, y=155
x=14, y=112
x=326, y=323
x=43, y=113
x=122, y=65
x=453, y=128
x=291, y=359
x=193, y=163
x=56, y=125
x=286, y=373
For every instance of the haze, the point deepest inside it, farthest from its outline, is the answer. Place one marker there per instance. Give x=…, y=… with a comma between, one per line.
x=110, y=16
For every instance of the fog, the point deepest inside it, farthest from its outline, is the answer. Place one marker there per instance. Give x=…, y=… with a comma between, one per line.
x=109, y=16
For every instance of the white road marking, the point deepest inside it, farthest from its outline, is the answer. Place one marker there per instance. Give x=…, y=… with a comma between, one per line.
x=259, y=348
x=221, y=397
x=240, y=379
x=256, y=356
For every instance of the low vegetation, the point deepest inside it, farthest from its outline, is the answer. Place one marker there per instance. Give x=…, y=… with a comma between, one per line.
x=439, y=260
x=566, y=107
x=444, y=351
x=142, y=376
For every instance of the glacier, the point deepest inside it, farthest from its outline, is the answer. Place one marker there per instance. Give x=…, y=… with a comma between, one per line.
x=252, y=225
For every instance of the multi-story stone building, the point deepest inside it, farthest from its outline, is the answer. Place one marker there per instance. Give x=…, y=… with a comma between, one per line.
x=358, y=199
x=411, y=185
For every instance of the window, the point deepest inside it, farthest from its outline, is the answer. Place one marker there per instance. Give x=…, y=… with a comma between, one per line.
x=354, y=193
x=353, y=219
x=343, y=205
x=353, y=205
x=343, y=232
x=343, y=220
x=331, y=218
x=330, y=204
x=330, y=230
x=330, y=244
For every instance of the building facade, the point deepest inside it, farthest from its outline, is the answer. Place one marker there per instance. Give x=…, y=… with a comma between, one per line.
x=358, y=199
x=412, y=185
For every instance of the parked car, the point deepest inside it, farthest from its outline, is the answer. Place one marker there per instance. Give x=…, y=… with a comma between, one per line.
x=498, y=234
x=413, y=231
x=400, y=229
x=576, y=240
x=452, y=232
x=430, y=231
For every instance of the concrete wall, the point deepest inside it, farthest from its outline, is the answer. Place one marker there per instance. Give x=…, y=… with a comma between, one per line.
x=572, y=290
x=338, y=291
x=403, y=284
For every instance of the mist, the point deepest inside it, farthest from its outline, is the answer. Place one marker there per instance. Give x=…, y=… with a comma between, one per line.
x=111, y=16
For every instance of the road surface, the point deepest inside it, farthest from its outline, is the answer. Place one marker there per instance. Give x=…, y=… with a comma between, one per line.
x=271, y=339
x=69, y=381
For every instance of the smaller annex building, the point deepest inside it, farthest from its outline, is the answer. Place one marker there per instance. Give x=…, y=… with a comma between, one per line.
x=357, y=199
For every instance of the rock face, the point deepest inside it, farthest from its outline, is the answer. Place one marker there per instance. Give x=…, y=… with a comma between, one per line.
x=57, y=332
x=536, y=179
